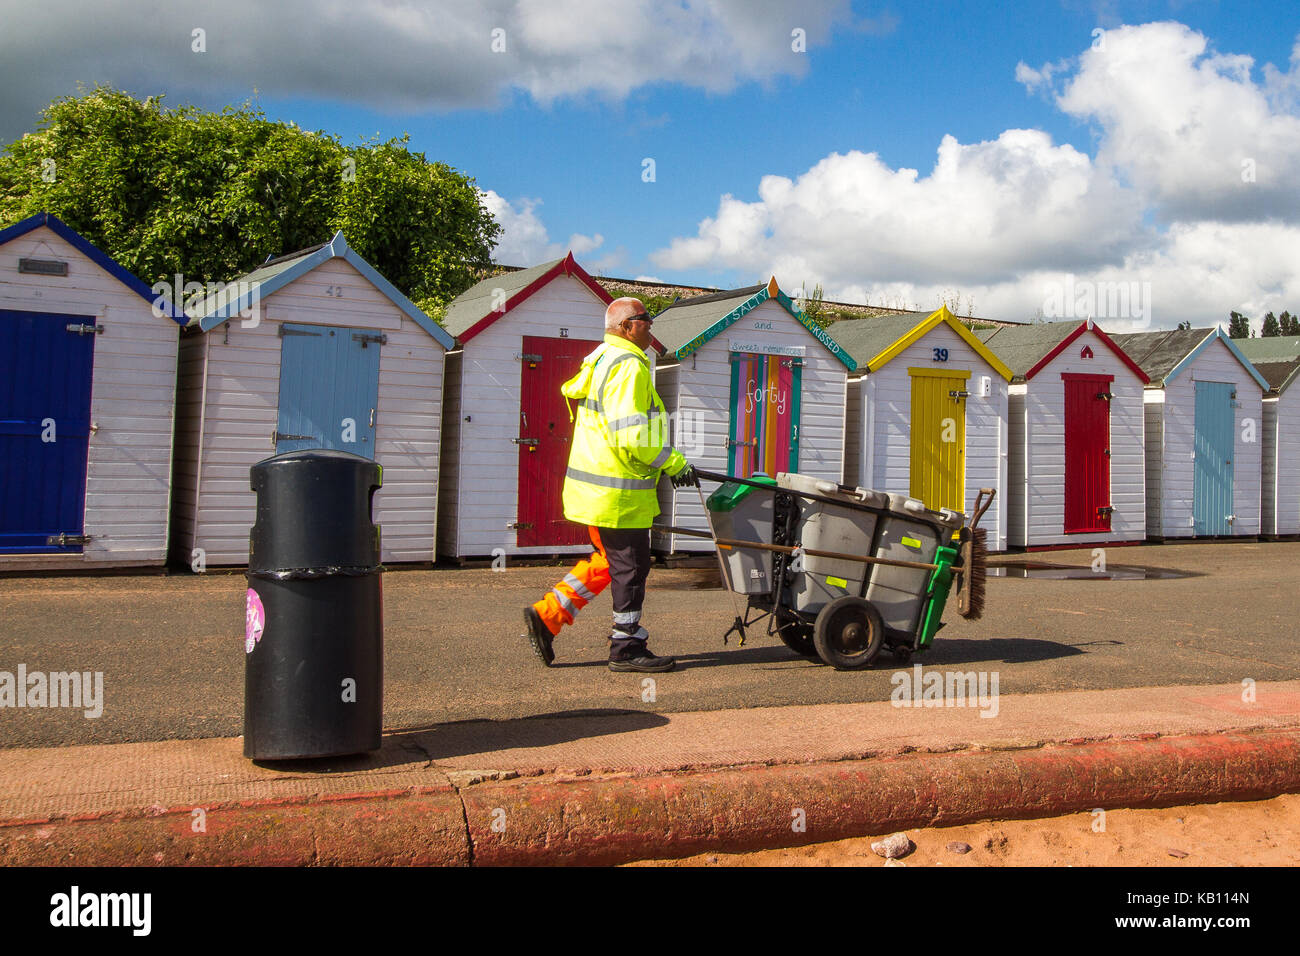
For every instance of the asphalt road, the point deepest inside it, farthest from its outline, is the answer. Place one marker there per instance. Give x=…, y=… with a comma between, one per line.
x=171, y=647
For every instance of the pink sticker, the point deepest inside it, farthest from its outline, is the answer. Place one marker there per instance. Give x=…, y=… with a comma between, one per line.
x=255, y=621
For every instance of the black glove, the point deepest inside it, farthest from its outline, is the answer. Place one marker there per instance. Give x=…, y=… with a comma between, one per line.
x=686, y=476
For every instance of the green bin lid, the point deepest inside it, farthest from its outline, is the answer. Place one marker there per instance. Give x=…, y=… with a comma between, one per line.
x=732, y=493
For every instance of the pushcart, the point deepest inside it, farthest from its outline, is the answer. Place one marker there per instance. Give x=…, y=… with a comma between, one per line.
x=840, y=573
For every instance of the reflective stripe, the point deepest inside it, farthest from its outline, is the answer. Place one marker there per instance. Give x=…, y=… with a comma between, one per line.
x=579, y=588
x=626, y=617
x=640, y=634
x=627, y=484
x=662, y=458
x=621, y=423
x=609, y=369
x=592, y=404
x=565, y=602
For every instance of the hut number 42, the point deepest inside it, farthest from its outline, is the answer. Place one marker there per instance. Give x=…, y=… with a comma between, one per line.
x=940, y=355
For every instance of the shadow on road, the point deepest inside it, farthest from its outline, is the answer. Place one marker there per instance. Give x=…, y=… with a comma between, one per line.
x=1006, y=650
x=408, y=745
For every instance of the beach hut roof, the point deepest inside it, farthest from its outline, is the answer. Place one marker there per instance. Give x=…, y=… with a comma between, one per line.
x=275, y=274
x=1276, y=358
x=1164, y=354
x=874, y=342
x=685, y=326
x=95, y=255
x=489, y=299
x=1027, y=349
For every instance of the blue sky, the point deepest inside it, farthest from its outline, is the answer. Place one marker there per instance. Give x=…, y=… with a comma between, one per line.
x=558, y=124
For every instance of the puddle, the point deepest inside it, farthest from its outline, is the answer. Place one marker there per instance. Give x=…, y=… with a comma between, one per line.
x=1066, y=572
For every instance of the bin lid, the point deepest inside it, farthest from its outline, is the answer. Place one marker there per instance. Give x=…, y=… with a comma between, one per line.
x=732, y=493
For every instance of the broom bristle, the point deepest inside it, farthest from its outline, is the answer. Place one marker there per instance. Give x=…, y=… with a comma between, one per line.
x=976, y=571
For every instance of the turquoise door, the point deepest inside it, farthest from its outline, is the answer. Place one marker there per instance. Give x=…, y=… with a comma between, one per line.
x=329, y=389
x=1212, y=465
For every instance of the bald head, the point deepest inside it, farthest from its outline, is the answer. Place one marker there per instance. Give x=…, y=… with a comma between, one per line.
x=620, y=310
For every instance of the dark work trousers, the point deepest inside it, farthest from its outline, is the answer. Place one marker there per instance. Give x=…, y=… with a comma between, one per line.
x=628, y=553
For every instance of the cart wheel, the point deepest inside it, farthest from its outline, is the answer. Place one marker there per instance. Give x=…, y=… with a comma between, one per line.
x=849, y=633
x=798, y=637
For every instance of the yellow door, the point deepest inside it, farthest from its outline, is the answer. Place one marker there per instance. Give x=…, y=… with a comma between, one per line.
x=938, y=475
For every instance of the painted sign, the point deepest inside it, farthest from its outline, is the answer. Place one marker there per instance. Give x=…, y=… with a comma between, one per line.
x=764, y=348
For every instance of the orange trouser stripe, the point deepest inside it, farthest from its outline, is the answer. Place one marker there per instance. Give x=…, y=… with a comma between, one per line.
x=589, y=576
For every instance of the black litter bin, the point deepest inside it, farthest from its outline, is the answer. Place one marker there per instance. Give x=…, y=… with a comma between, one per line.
x=313, y=675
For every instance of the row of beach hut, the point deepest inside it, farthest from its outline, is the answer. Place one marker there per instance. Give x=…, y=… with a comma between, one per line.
x=128, y=424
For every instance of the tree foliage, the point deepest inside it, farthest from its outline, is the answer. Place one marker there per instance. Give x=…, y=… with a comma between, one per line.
x=1289, y=324
x=1272, y=328
x=212, y=195
x=1238, y=326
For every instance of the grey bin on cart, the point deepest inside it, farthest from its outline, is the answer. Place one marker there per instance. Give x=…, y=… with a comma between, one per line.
x=825, y=527
x=908, y=532
x=313, y=676
x=744, y=513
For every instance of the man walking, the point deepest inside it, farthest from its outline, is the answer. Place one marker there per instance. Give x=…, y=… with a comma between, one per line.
x=620, y=448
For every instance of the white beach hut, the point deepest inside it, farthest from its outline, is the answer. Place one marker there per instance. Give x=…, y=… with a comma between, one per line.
x=1204, y=433
x=1076, y=470
x=506, y=426
x=927, y=413
x=1277, y=359
x=751, y=385
x=87, y=399
x=312, y=350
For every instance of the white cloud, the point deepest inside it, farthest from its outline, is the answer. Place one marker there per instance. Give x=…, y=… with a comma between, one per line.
x=524, y=240
x=399, y=55
x=1003, y=222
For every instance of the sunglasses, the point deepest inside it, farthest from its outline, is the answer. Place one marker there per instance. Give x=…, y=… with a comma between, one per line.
x=644, y=317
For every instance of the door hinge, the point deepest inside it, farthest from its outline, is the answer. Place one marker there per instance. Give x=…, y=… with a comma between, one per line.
x=524, y=441
x=1105, y=396
x=366, y=338
x=85, y=329
x=958, y=393
x=282, y=330
x=280, y=436
x=733, y=443
x=63, y=539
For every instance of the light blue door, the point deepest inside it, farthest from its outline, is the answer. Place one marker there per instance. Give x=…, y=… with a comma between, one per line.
x=1212, y=467
x=329, y=389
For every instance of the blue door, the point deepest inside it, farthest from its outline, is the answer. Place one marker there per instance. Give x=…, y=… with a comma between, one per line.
x=46, y=363
x=329, y=388
x=1212, y=465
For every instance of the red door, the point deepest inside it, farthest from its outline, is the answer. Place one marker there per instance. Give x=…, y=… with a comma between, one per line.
x=1087, y=452
x=544, y=433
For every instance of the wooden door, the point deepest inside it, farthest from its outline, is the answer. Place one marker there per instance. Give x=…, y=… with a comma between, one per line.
x=938, y=460
x=544, y=436
x=1212, y=463
x=1087, y=452
x=765, y=399
x=329, y=389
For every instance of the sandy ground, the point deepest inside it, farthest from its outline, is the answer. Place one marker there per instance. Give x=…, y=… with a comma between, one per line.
x=1259, y=833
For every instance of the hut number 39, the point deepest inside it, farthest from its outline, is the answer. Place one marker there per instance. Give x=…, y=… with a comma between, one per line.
x=940, y=355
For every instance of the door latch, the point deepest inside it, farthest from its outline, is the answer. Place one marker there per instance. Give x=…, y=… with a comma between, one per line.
x=85, y=329
x=524, y=441
x=63, y=539
x=279, y=437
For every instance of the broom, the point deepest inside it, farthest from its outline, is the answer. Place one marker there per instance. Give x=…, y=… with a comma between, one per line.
x=974, y=561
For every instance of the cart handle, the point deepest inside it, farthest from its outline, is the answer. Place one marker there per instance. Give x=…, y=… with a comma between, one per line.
x=838, y=502
x=786, y=549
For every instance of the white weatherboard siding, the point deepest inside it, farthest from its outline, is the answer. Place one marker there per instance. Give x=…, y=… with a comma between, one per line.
x=1017, y=461
x=241, y=410
x=129, y=458
x=490, y=390
x=1287, y=457
x=886, y=463
x=1045, y=449
x=703, y=408
x=1154, y=433
x=1268, y=471
x=1215, y=364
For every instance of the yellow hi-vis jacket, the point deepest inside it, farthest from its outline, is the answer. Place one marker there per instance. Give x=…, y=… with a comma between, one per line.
x=620, y=440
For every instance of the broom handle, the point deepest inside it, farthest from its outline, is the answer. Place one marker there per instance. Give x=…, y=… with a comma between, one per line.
x=785, y=549
x=981, y=505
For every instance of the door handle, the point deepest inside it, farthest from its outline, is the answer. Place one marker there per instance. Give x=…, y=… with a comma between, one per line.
x=372, y=418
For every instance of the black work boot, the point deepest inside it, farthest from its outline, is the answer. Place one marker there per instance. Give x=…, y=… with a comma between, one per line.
x=630, y=655
x=539, y=636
